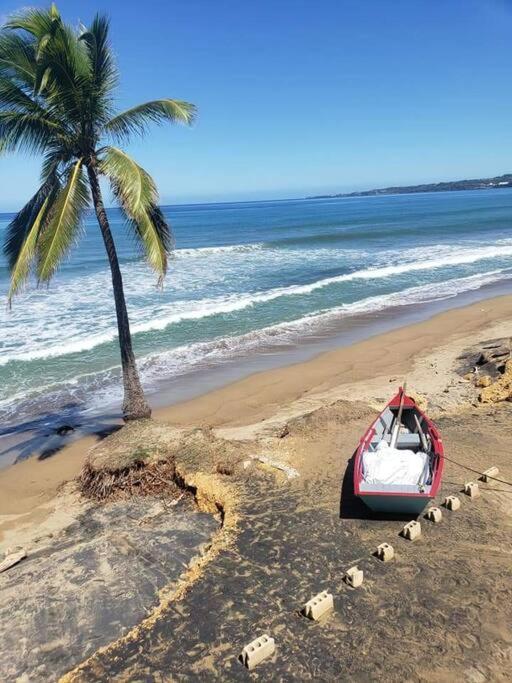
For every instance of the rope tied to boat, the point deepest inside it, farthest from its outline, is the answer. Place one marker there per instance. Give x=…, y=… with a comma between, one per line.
x=470, y=469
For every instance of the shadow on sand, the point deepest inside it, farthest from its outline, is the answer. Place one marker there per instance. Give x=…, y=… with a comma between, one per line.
x=352, y=507
x=46, y=434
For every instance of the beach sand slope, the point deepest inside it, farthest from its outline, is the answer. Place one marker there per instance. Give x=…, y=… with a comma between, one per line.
x=439, y=612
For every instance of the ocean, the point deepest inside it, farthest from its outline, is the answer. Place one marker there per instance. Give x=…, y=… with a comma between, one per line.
x=250, y=285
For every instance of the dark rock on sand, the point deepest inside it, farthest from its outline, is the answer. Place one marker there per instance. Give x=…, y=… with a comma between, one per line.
x=489, y=358
x=64, y=430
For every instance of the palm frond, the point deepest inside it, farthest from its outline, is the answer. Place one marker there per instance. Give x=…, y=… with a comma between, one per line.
x=103, y=75
x=18, y=228
x=14, y=98
x=63, y=222
x=103, y=68
x=59, y=63
x=21, y=268
x=23, y=233
x=30, y=132
x=54, y=159
x=136, y=192
x=37, y=22
x=17, y=59
x=137, y=119
x=63, y=74
x=139, y=189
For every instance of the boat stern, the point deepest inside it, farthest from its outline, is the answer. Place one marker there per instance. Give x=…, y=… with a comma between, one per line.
x=398, y=504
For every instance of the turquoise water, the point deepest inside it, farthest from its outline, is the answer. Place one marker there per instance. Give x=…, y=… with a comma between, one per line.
x=244, y=278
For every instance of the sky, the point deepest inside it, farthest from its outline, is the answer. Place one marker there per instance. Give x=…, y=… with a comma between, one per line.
x=297, y=97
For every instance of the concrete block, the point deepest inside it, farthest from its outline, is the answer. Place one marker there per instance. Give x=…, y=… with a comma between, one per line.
x=411, y=531
x=318, y=606
x=354, y=577
x=452, y=503
x=385, y=552
x=434, y=514
x=489, y=474
x=258, y=650
x=471, y=489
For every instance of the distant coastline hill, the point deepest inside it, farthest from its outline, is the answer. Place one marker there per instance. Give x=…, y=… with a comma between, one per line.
x=501, y=181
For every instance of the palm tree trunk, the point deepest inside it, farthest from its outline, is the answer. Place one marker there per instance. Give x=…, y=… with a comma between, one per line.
x=135, y=405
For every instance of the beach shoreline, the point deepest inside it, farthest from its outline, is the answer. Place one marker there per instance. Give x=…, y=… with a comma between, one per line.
x=368, y=370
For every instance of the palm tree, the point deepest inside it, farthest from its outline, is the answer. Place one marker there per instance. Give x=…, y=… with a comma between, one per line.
x=57, y=100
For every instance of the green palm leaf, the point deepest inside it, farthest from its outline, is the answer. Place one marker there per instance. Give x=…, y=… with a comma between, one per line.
x=23, y=233
x=137, y=119
x=39, y=23
x=63, y=222
x=139, y=190
x=136, y=192
x=103, y=69
x=13, y=97
x=32, y=132
x=20, y=225
x=17, y=59
x=21, y=268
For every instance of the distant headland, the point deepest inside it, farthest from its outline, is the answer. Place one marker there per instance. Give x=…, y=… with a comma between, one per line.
x=501, y=181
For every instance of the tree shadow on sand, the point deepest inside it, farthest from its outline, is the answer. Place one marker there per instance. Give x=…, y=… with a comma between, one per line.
x=46, y=434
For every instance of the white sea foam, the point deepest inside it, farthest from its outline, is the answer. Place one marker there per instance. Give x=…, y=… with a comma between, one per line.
x=181, y=359
x=228, y=249
x=103, y=388
x=77, y=316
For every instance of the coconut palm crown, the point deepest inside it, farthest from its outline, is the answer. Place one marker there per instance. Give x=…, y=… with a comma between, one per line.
x=57, y=89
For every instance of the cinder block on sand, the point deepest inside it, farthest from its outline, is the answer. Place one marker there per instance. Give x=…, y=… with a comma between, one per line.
x=434, y=514
x=258, y=650
x=451, y=503
x=354, y=577
x=411, y=531
x=489, y=474
x=318, y=606
x=471, y=489
x=385, y=552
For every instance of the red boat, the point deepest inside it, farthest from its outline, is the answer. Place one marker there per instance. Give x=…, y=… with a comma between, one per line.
x=399, y=461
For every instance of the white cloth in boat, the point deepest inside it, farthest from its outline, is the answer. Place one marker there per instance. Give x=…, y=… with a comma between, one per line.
x=386, y=465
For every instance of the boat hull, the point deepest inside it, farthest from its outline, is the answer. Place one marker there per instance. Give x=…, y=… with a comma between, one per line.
x=393, y=501
x=413, y=505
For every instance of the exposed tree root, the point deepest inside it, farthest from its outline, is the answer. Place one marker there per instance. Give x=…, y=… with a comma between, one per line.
x=140, y=479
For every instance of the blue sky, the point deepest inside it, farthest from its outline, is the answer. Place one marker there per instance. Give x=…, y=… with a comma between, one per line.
x=301, y=97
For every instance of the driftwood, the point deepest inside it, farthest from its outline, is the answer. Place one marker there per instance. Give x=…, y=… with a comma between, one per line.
x=290, y=472
x=12, y=559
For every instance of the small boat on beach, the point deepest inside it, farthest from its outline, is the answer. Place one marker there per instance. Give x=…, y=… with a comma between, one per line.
x=399, y=461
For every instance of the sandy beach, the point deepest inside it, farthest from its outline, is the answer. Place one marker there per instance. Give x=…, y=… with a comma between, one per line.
x=309, y=417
